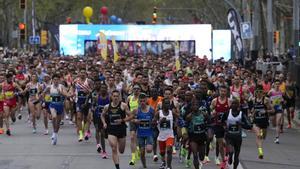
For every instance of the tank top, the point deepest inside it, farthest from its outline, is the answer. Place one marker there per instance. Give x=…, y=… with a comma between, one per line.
x=8, y=90
x=197, y=125
x=100, y=105
x=237, y=93
x=259, y=111
x=33, y=89
x=165, y=128
x=233, y=128
x=221, y=110
x=80, y=90
x=47, y=97
x=276, y=99
x=55, y=96
x=115, y=113
x=145, y=127
x=133, y=104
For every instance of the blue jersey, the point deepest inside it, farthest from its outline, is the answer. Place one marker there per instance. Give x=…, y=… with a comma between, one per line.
x=100, y=105
x=145, y=127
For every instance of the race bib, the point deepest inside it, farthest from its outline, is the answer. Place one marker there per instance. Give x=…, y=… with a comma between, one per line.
x=165, y=125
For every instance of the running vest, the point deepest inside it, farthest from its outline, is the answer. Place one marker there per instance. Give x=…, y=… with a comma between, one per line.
x=133, y=104
x=260, y=114
x=145, y=127
x=237, y=94
x=233, y=127
x=276, y=99
x=80, y=90
x=55, y=96
x=100, y=105
x=221, y=110
x=197, y=125
x=165, y=128
x=8, y=90
x=115, y=113
x=33, y=90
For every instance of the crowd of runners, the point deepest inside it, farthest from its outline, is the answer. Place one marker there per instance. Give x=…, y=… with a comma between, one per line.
x=192, y=110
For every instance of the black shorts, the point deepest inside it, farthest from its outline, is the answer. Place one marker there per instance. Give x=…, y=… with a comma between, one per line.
x=233, y=139
x=119, y=132
x=198, y=138
x=290, y=103
x=219, y=131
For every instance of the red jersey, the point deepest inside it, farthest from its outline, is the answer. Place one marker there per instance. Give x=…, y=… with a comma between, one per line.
x=221, y=109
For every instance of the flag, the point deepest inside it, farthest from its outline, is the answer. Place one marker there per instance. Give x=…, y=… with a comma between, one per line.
x=115, y=47
x=103, y=45
x=177, y=62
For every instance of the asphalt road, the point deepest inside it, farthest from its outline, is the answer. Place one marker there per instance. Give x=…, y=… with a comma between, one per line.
x=24, y=150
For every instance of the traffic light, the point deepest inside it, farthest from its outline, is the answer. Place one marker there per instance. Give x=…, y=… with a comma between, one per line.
x=276, y=37
x=44, y=37
x=154, y=16
x=22, y=4
x=22, y=29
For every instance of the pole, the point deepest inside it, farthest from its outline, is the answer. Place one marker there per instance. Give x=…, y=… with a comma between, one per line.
x=270, y=25
x=25, y=22
x=296, y=26
x=255, y=26
x=33, y=17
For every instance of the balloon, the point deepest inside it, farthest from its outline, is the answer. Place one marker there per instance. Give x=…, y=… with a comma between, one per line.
x=113, y=19
x=119, y=20
x=87, y=12
x=104, y=10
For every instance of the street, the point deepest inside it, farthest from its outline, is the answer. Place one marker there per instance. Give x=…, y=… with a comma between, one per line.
x=24, y=150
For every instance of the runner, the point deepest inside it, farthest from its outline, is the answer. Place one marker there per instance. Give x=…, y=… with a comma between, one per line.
x=153, y=101
x=10, y=100
x=83, y=87
x=197, y=121
x=113, y=118
x=144, y=117
x=133, y=103
x=100, y=101
x=220, y=107
x=290, y=99
x=57, y=92
x=34, y=89
x=165, y=118
x=276, y=98
x=235, y=121
x=260, y=112
x=46, y=102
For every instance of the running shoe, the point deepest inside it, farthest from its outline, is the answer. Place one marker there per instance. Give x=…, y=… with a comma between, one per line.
x=54, y=140
x=1, y=131
x=62, y=123
x=20, y=116
x=80, y=137
x=174, y=150
x=223, y=165
x=276, y=140
x=289, y=126
x=104, y=155
x=89, y=133
x=217, y=161
x=244, y=135
x=67, y=117
x=206, y=160
x=46, y=132
x=163, y=165
x=8, y=132
x=71, y=122
x=99, y=148
x=260, y=153
x=86, y=136
x=155, y=158
x=188, y=163
x=200, y=165
x=131, y=162
x=34, y=131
